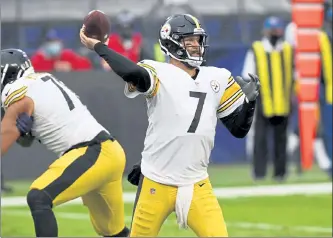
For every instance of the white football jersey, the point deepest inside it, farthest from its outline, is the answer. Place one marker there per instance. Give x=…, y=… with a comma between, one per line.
x=182, y=114
x=60, y=119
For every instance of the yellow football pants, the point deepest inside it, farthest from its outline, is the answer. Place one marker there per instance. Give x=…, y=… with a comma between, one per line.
x=94, y=173
x=155, y=202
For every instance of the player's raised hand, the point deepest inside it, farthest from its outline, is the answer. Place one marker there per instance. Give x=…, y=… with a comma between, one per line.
x=249, y=87
x=87, y=41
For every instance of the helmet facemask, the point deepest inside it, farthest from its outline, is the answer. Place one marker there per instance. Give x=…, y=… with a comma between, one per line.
x=180, y=51
x=12, y=72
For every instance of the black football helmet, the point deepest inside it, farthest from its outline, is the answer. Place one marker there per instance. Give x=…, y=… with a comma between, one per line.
x=14, y=63
x=174, y=30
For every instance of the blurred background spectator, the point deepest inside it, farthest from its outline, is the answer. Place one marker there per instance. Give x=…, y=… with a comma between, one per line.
x=272, y=60
x=52, y=56
x=326, y=83
x=124, y=40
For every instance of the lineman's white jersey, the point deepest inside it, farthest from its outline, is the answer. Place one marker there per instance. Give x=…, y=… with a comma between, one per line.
x=182, y=114
x=60, y=119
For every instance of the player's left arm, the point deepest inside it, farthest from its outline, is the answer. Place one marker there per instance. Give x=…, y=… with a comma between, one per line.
x=10, y=129
x=237, y=105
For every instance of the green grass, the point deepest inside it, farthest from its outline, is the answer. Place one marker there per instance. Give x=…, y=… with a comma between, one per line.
x=267, y=216
x=252, y=216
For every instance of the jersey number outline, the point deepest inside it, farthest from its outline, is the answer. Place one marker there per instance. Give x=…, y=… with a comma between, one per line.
x=57, y=84
x=195, y=122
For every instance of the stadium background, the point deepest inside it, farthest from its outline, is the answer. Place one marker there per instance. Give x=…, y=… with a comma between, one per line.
x=232, y=26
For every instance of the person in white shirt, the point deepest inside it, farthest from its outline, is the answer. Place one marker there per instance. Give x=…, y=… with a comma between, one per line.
x=290, y=34
x=272, y=59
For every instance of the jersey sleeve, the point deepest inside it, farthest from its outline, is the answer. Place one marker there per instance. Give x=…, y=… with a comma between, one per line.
x=232, y=98
x=130, y=90
x=13, y=93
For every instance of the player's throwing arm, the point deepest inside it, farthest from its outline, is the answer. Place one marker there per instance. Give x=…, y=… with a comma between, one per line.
x=185, y=101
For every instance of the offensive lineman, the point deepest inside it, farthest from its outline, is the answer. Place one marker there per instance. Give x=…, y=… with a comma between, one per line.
x=91, y=162
x=184, y=101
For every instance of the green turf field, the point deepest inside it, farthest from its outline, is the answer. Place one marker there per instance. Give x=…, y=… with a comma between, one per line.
x=287, y=215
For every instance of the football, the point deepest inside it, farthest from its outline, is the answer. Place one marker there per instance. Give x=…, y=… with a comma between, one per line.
x=97, y=25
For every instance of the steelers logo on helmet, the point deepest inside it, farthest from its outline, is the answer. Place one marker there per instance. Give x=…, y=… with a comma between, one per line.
x=165, y=31
x=215, y=86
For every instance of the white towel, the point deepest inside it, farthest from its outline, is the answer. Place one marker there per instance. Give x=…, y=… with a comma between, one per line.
x=183, y=204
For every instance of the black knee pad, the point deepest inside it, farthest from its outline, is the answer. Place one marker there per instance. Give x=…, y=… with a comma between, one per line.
x=39, y=200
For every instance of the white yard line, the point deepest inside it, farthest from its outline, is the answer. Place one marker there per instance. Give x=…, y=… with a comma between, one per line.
x=226, y=193
x=232, y=192
x=168, y=222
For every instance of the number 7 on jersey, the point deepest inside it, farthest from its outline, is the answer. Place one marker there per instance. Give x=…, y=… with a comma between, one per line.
x=195, y=122
x=66, y=96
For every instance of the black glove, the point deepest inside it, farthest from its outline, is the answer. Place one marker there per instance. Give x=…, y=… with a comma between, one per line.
x=24, y=123
x=26, y=140
x=135, y=174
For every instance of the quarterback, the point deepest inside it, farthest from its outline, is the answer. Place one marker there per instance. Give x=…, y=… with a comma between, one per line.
x=91, y=162
x=184, y=102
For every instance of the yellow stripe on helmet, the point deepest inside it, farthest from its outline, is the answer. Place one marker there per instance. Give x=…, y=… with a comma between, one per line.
x=196, y=21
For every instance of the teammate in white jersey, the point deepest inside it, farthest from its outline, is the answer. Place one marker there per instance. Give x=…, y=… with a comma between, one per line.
x=184, y=102
x=91, y=162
